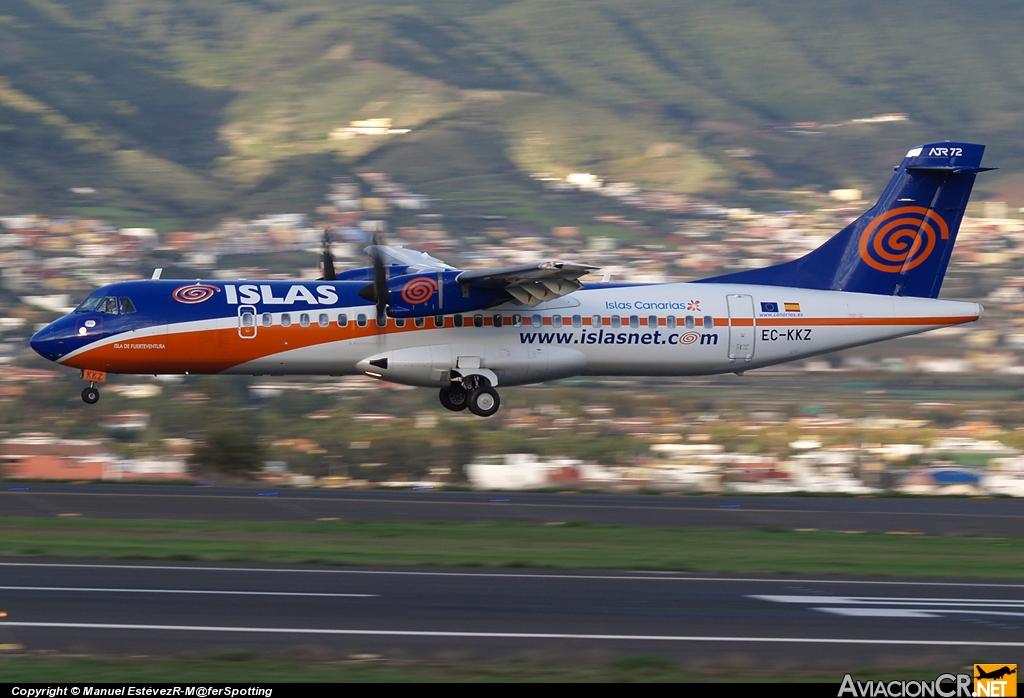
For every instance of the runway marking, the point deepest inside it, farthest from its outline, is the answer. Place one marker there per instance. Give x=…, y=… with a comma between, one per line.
x=510, y=636
x=879, y=612
x=910, y=612
x=901, y=607
x=887, y=600
x=504, y=575
x=203, y=592
x=434, y=502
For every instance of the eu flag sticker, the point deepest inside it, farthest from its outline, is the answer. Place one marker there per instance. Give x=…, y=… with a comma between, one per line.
x=769, y=307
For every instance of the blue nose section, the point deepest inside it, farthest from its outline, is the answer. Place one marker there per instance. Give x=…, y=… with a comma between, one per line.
x=44, y=343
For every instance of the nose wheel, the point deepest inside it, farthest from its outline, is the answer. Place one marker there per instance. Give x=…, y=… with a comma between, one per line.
x=90, y=395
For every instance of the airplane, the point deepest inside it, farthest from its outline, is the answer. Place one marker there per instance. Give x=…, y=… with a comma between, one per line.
x=412, y=319
x=994, y=674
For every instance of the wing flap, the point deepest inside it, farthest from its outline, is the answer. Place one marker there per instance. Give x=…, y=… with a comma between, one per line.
x=530, y=284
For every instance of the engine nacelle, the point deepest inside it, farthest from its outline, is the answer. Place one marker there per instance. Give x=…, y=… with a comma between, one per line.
x=420, y=295
x=438, y=365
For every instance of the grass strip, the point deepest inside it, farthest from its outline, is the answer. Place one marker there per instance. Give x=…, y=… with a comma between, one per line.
x=569, y=545
x=246, y=667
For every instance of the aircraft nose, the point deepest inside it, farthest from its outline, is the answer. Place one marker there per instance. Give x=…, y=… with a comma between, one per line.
x=44, y=343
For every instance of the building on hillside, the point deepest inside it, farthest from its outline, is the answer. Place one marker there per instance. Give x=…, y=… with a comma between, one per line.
x=45, y=457
x=525, y=471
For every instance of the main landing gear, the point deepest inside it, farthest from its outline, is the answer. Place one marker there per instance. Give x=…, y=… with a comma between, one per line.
x=475, y=392
x=90, y=395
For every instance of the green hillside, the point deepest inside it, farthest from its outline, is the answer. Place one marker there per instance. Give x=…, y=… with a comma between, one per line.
x=197, y=109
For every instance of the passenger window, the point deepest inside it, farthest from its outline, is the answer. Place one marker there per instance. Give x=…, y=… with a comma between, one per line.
x=652, y=321
x=634, y=321
x=399, y=322
x=458, y=321
x=556, y=321
x=108, y=305
x=670, y=321
x=268, y=320
x=361, y=320
x=439, y=321
x=286, y=320
x=690, y=322
x=342, y=320
x=517, y=321
x=616, y=321
x=577, y=321
x=248, y=319
x=538, y=321
x=709, y=321
x=382, y=322
x=478, y=321
x=324, y=321
x=498, y=321
x=126, y=305
x=595, y=321
x=304, y=319
x=420, y=322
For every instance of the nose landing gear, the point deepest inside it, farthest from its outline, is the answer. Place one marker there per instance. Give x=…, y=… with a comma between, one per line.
x=474, y=392
x=90, y=395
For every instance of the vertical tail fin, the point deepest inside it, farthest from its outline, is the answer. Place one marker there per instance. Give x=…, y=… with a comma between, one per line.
x=901, y=245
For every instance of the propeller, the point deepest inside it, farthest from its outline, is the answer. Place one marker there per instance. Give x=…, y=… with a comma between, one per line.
x=378, y=290
x=328, y=258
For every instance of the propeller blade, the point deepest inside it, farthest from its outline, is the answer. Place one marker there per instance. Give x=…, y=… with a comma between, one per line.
x=380, y=287
x=328, y=258
x=378, y=291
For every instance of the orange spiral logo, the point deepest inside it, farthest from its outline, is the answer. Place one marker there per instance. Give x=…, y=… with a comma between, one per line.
x=419, y=290
x=194, y=293
x=901, y=239
x=689, y=337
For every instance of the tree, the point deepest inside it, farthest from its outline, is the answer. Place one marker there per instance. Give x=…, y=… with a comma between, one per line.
x=233, y=452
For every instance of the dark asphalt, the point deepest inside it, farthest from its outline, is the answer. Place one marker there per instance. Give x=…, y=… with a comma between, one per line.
x=202, y=608
x=934, y=516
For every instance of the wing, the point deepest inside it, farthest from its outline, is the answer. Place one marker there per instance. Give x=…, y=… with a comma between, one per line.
x=530, y=284
x=417, y=262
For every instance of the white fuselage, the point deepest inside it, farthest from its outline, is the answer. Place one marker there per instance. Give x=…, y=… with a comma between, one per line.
x=683, y=329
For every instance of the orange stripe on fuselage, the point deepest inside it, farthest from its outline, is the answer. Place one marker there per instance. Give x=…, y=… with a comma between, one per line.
x=217, y=350
x=862, y=321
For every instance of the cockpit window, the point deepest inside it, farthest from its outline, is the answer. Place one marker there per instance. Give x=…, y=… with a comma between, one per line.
x=88, y=304
x=108, y=305
x=126, y=305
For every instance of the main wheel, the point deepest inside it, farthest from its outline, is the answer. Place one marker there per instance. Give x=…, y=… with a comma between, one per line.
x=484, y=401
x=454, y=398
x=90, y=396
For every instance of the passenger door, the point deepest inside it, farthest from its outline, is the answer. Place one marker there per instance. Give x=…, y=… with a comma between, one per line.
x=741, y=327
x=247, y=321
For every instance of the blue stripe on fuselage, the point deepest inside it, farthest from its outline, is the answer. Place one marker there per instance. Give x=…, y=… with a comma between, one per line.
x=155, y=303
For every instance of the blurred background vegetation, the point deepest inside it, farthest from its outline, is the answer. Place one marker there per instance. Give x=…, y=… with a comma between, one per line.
x=185, y=111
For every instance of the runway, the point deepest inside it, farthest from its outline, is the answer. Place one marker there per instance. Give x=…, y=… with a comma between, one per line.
x=932, y=516
x=115, y=607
